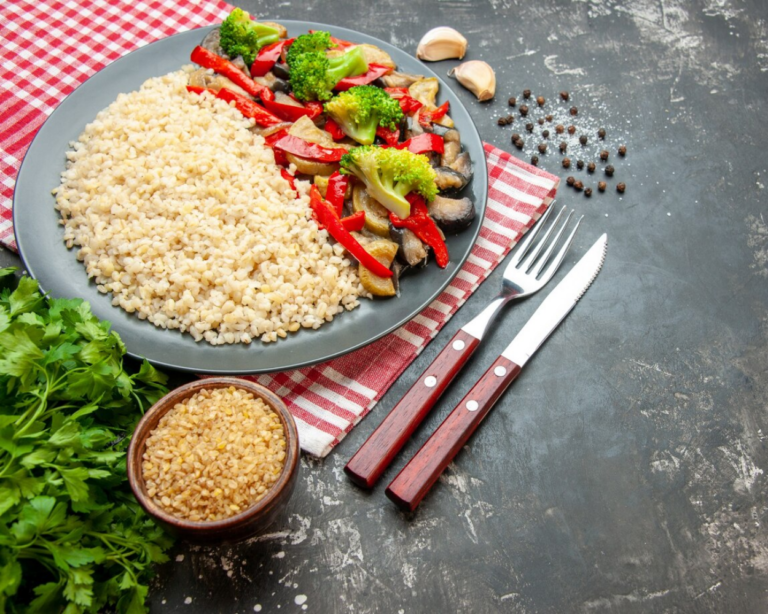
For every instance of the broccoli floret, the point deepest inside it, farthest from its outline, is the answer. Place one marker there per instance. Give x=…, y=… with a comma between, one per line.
x=314, y=74
x=241, y=36
x=314, y=41
x=390, y=174
x=361, y=109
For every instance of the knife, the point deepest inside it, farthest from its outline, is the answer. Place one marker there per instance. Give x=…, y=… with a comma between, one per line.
x=417, y=477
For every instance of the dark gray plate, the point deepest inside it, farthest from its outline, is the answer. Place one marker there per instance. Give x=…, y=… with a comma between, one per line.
x=39, y=235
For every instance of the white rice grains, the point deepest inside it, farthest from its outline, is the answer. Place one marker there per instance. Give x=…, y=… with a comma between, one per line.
x=180, y=212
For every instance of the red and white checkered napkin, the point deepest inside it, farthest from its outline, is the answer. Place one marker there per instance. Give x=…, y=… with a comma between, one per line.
x=47, y=49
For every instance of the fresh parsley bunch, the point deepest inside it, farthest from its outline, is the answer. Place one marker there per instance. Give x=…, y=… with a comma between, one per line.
x=72, y=537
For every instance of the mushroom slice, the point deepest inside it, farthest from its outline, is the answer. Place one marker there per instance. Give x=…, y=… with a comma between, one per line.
x=452, y=214
x=412, y=251
x=449, y=181
x=212, y=42
x=400, y=79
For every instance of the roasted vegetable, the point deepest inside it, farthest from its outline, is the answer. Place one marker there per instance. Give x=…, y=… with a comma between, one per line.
x=384, y=251
x=239, y=35
x=362, y=109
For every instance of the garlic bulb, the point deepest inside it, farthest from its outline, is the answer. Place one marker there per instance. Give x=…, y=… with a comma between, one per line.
x=441, y=43
x=477, y=76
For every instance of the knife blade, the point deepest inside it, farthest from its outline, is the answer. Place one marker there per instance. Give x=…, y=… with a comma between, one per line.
x=414, y=481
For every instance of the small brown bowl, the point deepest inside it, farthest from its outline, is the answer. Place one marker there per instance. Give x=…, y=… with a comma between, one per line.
x=247, y=523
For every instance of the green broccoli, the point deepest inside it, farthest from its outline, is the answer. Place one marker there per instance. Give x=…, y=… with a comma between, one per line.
x=241, y=36
x=390, y=174
x=313, y=74
x=361, y=109
x=314, y=41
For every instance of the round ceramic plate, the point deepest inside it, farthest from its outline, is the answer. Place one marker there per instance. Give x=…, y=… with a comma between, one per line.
x=40, y=236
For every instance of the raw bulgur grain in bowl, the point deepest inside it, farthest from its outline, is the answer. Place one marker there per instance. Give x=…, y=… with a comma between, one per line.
x=178, y=211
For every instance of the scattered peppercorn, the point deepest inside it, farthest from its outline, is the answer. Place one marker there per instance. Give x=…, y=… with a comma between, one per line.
x=604, y=155
x=502, y=121
x=583, y=139
x=565, y=95
x=548, y=118
x=545, y=134
x=543, y=147
x=574, y=111
x=588, y=192
x=571, y=129
x=620, y=187
x=570, y=180
x=563, y=147
x=541, y=121
x=559, y=128
x=529, y=127
x=609, y=170
x=526, y=94
x=540, y=101
x=591, y=167
x=523, y=110
x=566, y=163
x=623, y=150
x=601, y=133
x=519, y=143
x=512, y=101
x=578, y=185
x=535, y=160
x=579, y=164
x=601, y=185
x=515, y=137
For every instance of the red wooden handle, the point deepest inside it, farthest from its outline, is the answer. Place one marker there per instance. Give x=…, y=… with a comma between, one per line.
x=374, y=456
x=417, y=477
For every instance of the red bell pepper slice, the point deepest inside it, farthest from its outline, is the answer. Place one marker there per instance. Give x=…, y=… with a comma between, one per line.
x=374, y=72
x=289, y=178
x=249, y=108
x=354, y=222
x=338, y=43
x=326, y=216
x=312, y=151
x=390, y=137
x=423, y=227
x=427, y=117
x=291, y=112
x=423, y=143
x=268, y=56
x=196, y=89
x=208, y=59
x=332, y=128
x=408, y=103
x=337, y=190
x=270, y=141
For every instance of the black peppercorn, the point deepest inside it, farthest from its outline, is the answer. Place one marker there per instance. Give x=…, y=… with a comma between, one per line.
x=578, y=185
x=623, y=150
x=535, y=160
x=545, y=134
x=540, y=101
x=502, y=121
x=579, y=164
x=515, y=137
x=591, y=167
x=566, y=163
x=523, y=110
x=604, y=155
x=565, y=95
x=571, y=129
x=588, y=192
x=583, y=139
x=609, y=170
x=529, y=127
x=563, y=147
x=570, y=180
x=543, y=147
x=519, y=143
x=559, y=128
x=601, y=185
x=574, y=111
x=526, y=94
x=548, y=118
x=601, y=133
x=512, y=101
x=541, y=121
x=620, y=187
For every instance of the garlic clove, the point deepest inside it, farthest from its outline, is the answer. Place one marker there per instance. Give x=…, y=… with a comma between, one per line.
x=477, y=76
x=441, y=43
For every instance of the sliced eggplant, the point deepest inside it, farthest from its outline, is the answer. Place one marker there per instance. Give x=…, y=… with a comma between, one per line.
x=462, y=165
x=281, y=71
x=384, y=251
x=449, y=181
x=412, y=251
x=212, y=43
x=451, y=214
x=452, y=141
x=202, y=77
x=274, y=83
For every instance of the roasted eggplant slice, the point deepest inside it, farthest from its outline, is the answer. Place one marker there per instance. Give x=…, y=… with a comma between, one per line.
x=384, y=251
x=412, y=251
x=452, y=149
x=400, y=79
x=451, y=214
x=376, y=215
x=449, y=181
x=462, y=165
x=212, y=43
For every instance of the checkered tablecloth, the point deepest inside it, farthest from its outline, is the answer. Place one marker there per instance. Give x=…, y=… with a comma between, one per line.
x=48, y=48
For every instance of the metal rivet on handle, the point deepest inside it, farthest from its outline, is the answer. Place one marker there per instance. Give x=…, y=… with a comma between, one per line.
x=458, y=344
x=430, y=381
x=500, y=371
x=472, y=405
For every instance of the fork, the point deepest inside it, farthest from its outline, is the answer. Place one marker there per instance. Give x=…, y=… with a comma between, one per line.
x=524, y=275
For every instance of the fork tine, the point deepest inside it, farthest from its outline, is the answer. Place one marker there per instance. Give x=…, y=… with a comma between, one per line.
x=530, y=259
x=550, y=248
x=558, y=259
x=523, y=247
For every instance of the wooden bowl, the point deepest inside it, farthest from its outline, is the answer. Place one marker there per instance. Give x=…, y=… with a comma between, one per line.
x=247, y=523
